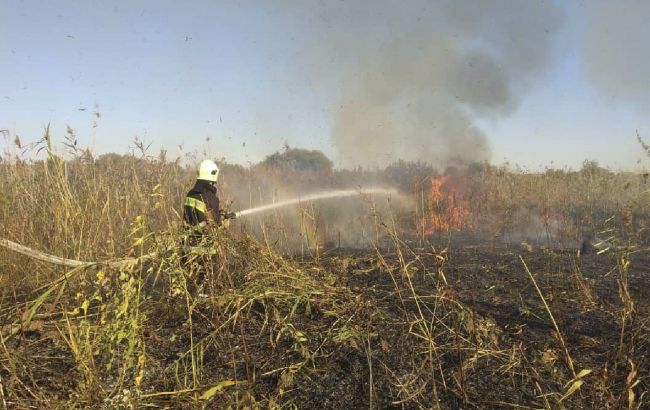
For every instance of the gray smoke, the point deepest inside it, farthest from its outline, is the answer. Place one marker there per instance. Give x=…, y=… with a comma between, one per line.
x=617, y=49
x=415, y=76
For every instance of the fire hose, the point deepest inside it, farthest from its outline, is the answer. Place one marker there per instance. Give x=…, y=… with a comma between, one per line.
x=71, y=263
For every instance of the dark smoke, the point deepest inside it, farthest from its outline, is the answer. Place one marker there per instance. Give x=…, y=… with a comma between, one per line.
x=414, y=76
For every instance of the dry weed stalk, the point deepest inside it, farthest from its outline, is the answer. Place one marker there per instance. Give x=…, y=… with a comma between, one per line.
x=567, y=356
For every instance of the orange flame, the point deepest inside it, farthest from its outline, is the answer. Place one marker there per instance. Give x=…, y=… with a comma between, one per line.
x=444, y=209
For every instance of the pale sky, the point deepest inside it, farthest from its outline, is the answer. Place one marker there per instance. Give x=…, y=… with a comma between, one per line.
x=247, y=75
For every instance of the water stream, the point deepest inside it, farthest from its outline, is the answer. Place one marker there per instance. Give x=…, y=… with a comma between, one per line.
x=316, y=197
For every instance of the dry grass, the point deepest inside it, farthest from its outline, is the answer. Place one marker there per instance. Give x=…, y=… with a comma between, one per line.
x=402, y=323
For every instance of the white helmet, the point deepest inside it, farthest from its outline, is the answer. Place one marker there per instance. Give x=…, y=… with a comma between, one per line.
x=208, y=171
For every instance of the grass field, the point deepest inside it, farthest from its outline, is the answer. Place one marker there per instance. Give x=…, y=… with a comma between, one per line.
x=497, y=289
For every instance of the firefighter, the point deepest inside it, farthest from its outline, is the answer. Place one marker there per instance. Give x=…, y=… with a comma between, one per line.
x=201, y=206
x=201, y=211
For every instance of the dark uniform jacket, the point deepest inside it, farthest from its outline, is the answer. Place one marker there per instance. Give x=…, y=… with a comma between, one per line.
x=202, y=204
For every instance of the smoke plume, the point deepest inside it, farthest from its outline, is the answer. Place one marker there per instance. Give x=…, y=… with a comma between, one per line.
x=415, y=76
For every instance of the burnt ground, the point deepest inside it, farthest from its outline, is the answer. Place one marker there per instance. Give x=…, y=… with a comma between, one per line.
x=500, y=302
x=406, y=327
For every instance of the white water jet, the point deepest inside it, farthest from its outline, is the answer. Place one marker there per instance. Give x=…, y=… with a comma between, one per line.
x=317, y=196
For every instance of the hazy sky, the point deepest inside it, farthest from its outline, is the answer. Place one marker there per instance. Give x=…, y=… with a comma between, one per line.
x=250, y=75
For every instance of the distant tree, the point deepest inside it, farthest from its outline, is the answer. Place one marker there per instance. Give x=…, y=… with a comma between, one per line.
x=232, y=171
x=406, y=174
x=110, y=160
x=556, y=173
x=592, y=168
x=298, y=159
